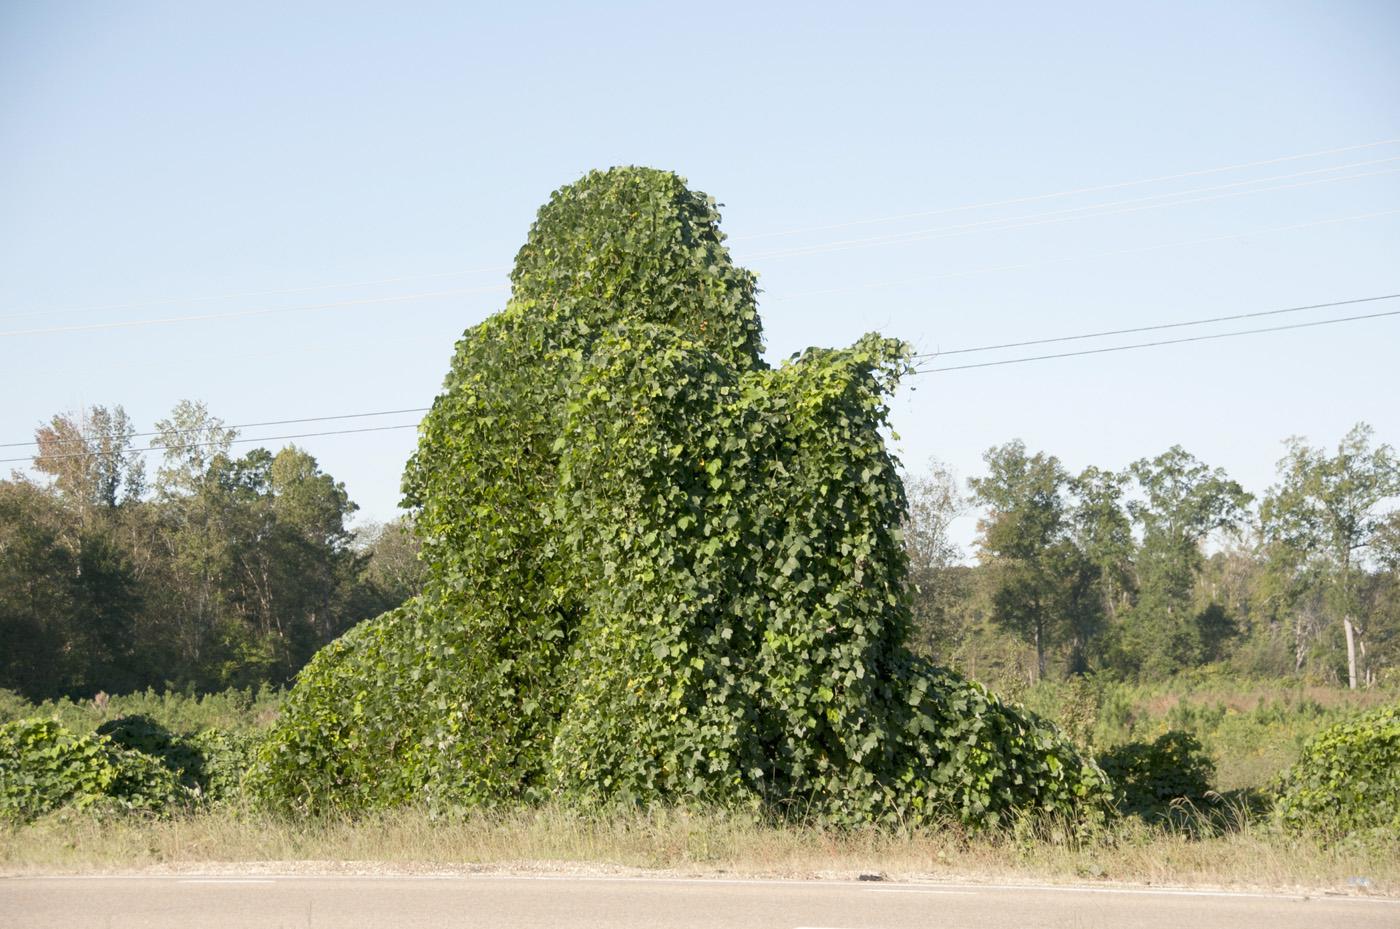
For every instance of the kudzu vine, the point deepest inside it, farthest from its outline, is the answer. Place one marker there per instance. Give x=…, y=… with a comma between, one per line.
x=660, y=570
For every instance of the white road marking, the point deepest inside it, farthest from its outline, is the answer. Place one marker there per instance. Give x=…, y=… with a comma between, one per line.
x=921, y=890
x=226, y=880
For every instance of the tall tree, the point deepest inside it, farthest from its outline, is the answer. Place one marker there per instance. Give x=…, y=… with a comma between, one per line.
x=1181, y=502
x=90, y=457
x=193, y=440
x=393, y=570
x=1104, y=533
x=935, y=501
x=68, y=600
x=37, y=596
x=1327, y=511
x=1037, y=576
x=194, y=505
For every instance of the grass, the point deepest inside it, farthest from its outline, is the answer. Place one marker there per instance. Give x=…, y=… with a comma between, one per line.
x=671, y=842
x=231, y=710
x=1253, y=729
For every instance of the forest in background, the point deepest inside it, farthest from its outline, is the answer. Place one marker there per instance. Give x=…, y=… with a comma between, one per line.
x=1166, y=566
x=217, y=570
x=220, y=570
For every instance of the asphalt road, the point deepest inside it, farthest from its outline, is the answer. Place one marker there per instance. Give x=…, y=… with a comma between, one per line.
x=345, y=902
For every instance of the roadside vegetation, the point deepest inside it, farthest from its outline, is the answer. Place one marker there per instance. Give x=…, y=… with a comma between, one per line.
x=661, y=605
x=1249, y=855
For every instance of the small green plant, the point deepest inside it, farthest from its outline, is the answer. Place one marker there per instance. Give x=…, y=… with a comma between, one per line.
x=44, y=766
x=1348, y=779
x=1150, y=776
x=225, y=759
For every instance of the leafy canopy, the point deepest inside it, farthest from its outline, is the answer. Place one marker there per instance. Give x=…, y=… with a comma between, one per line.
x=658, y=569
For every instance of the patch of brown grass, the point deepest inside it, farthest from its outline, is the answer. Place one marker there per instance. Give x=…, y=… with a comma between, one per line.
x=694, y=844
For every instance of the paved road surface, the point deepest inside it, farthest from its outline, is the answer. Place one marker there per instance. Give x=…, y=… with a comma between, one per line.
x=296, y=902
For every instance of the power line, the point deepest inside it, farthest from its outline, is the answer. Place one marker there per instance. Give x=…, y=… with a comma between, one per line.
x=871, y=285
x=1189, y=322
x=816, y=228
x=1036, y=219
x=266, y=438
x=1095, y=209
x=918, y=235
x=1063, y=193
x=1124, y=348
x=271, y=422
x=985, y=364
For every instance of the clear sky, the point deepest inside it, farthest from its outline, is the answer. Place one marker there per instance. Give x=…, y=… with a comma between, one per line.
x=174, y=160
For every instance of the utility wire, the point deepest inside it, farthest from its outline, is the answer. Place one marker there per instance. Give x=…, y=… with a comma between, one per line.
x=266, y=438
x=929, y=355
x=918, y=235
x=1063, y=193
x=1189, y=322
x=816, y=228
x=1036, y=219
x=1124, y=348
x=271, y=422
x=1062, y=259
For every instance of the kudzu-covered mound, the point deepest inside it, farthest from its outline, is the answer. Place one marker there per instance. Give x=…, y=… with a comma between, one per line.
x=1348, y=778
x=660, y=571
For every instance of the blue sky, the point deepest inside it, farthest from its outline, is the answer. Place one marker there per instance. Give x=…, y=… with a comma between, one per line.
x=171, y=160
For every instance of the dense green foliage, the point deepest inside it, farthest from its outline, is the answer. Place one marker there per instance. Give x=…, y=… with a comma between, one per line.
x=227, y=571
x=659, y=570
x=209, y=763
x=1252, y=729
x=1162, y=568
x=1348, y=779
x=44, y=766
x=1149, y=776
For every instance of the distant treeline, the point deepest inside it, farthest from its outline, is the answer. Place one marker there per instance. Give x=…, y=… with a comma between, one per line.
x=231, y=571
x=216, y=571
x=1164, y=566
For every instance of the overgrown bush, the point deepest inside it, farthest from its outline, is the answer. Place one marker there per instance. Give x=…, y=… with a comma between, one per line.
x=660, y=571
x=1348, y=779
x=44, y=766
x=210, y=763
x=1148, y=776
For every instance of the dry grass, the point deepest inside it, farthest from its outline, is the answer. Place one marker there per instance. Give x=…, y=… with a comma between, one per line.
x=708, y=844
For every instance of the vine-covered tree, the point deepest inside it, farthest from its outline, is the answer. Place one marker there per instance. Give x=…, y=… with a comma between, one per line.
x=658, y=569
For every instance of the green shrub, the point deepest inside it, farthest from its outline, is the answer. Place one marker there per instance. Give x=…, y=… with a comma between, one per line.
x=44, y=766
x=660, y=571
x=142, y=734
x=1149, y=776
x=210, y=763
x=1348, y=779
